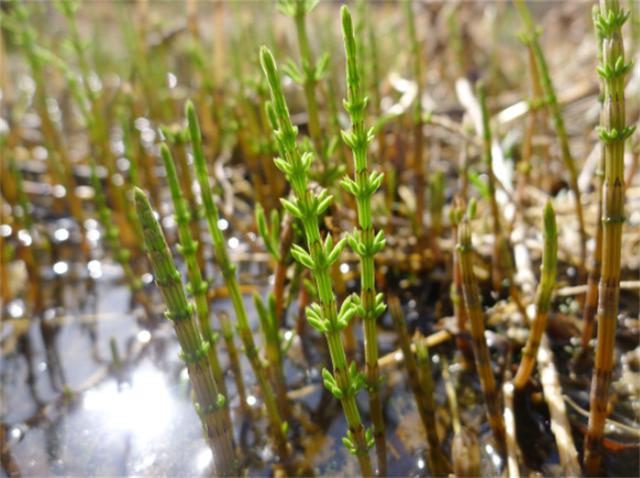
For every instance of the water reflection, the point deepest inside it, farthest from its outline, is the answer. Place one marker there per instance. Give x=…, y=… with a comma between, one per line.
x=61, y=268
x=143, y=407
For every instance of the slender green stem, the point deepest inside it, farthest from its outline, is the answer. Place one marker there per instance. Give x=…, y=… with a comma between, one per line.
x=346, y=381
x=226, y=330
x=501, y=262
x=613, y=134
x=59, y=160
x=418, y=133
x=309, y=78
x=364, y=241
x=98, y=128
x=531, y=37
x=269, y=324
x=111, y=234
x=543, y=297
x=228, y=270
x=188, y=248
x=210, y=403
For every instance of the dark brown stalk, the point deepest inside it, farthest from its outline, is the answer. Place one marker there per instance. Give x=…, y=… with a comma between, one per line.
x=480, y=349
x=591, y=299
x=422, y=389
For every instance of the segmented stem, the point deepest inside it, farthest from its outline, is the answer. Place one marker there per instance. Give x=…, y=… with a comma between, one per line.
x=228, y=270
x=531, y=37
x=476, y=318
x=273, y=349
x=613, y=132
x=421, y=383
x=418, y=134
x=501, y=261
x=188, y=248
x=595, y=264
x=543, y=297
x=364, y=241
x=111, y=234
x=226, y=330
x=210, y=403
x=346, y=381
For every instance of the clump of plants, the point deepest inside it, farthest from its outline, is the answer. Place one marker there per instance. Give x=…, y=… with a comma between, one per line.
x=336, y=270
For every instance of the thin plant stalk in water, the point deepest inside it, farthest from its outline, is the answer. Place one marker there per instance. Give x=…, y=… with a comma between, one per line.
x=464, y=249
x=210, y=403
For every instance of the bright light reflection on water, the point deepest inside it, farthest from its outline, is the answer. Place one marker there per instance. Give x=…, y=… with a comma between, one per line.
x=61, y=268
x=144, y=409
x=24, y=237
x=203, y=459
x=95, y=269
x=61, y=234
x=495, y=458
x=93, y=235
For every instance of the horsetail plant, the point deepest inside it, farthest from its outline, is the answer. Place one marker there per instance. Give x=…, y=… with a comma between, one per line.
x=364, y=240
x=501, y=262
x=310, y=72
x=422, y=394
x=418, y=132
x=188, y=249
x=98, y=129
x=456, y=291
x=178, y=137
x=346, y=380
x=112, y=236
x=595, y=264
x=210, y=403
x=436, y=201
x=464, y=249
x=274, y=349
x=228, y=270
x=61, y=166
x=613, y=133
x=277, y=238
x=226, y=330
x=530, y=37
x=439, y=465
x=543, y=297
x=465, y=450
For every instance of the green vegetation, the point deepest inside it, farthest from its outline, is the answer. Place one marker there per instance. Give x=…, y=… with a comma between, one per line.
x=613, y=133
x=295, y=220
x=210, y=402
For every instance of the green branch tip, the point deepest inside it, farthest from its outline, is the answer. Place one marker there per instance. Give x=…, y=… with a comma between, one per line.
x=550, y=229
